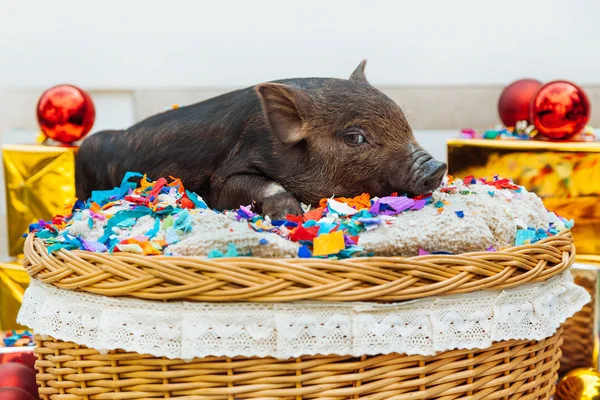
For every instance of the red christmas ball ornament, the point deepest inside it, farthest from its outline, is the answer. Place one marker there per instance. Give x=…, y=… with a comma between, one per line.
x=560, y=109
x=18, y=376
x=65, y=113
x=13, y=393
x=515, y=101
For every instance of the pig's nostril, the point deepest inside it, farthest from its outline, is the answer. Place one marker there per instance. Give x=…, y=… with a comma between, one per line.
x=435, y=176
x=433, y=183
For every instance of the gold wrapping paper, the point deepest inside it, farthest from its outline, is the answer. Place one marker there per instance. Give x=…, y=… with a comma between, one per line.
x=39, y=181
x=13, y=282
x=565, y=174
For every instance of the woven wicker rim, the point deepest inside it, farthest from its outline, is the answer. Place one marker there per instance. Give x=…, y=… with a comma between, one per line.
x=282, y=280
x=514, y=369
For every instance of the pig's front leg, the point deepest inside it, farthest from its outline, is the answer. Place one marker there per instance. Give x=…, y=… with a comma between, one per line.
x=271, y=198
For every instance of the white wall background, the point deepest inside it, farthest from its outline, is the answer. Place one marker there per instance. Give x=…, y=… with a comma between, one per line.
x=122, y=44
x=129, y=52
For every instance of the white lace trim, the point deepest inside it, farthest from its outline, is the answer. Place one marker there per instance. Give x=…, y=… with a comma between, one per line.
x=187, y=330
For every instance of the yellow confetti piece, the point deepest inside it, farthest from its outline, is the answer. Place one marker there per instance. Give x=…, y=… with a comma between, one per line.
x=445, y=202
x=145, y=183
x=174, y=106
x=107, y=205
x=329, y=243
x=440, y=210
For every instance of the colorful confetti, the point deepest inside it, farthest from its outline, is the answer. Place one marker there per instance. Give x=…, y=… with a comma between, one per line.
x=167, y=209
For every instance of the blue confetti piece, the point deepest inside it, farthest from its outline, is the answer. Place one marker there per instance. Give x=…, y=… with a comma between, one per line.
x=121, y=216
x=460, y=214
x=284, y=222
x=350, y=252
x=439, y=204
x=214, y=253
x=369, y=221
x=491, y=193
x=152, y=232
x=113, y=241
x=126, y=186
x=183, y=222
x=304, y=252
x=326, y=227
x=101, y=197
x=127, y=223
x=198, y=202
x=263, y=241
x=104, y=196
x=168, y=210
x=58, y=246
x=90, y=223
x=541, y=234
x=171, y=236
x=362, y=214
x=310, y=223
x=45, y=234
x=524, y=236
x=569, y=224
x=79, y=205
x=231, y=250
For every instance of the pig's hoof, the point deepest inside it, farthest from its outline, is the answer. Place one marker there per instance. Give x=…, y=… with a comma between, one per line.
x=281, y=204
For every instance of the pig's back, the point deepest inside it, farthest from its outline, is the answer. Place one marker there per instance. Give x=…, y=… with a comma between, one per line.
x=195, y=138
x=191, y=138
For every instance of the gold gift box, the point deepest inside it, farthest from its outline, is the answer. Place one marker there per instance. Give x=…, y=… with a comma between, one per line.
x=39, y=181
x=566, y=175
x=13, y=282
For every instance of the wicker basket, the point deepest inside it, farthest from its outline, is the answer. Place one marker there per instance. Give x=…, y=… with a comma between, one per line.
x=506, y=370
x=277, y=280
x=580, y=347
x=514, y=369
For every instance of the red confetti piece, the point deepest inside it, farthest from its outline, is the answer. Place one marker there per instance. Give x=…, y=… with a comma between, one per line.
x=185, y=202
x=315, y=214
x=305, y=234
x=502, y=184
x=137, y=200
x=422, y=196
x=294, y=218
x=157, y=187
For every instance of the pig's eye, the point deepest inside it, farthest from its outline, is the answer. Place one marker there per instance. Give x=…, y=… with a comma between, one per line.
x=354, y=139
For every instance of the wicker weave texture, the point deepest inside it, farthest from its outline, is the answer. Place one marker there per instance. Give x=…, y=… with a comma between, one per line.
x=278, y=280
x=578, y=333
x=514, y=369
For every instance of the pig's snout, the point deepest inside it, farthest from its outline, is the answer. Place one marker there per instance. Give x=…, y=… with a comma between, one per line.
x=434, y=173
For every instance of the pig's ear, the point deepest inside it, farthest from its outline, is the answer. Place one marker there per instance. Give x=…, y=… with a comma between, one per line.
x=359, y=72
x=284, y=108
